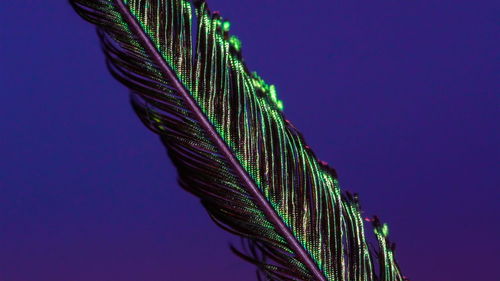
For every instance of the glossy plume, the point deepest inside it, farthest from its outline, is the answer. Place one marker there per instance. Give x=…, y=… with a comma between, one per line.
x=224, y=129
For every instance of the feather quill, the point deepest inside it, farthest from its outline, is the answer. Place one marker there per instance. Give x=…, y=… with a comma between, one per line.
x=225, y=131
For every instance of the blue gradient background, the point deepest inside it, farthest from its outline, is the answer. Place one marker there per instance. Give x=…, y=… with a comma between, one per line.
x=399, y=96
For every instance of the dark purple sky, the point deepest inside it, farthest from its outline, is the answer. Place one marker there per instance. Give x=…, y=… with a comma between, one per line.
x=399, y=96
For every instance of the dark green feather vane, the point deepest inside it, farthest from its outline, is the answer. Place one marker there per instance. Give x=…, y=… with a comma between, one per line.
x=225, y=131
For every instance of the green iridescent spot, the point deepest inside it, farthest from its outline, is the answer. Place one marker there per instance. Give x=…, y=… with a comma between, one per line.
x=218, y=23
x=382, y=230
x=235, y=42
x=259, y=83
x=226, y=26
x=385, y=230
x=280, y=105
x=272, y=93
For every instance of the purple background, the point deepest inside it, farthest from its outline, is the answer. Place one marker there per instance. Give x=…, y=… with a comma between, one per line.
x=399, y=96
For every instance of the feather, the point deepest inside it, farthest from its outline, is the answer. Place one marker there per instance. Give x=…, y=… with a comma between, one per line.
x=225, y=131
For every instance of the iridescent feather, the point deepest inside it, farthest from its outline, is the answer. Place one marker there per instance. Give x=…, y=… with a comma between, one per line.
x=225, y=131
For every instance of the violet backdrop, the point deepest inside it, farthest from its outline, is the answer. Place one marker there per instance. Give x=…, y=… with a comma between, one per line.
x=399, y=96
